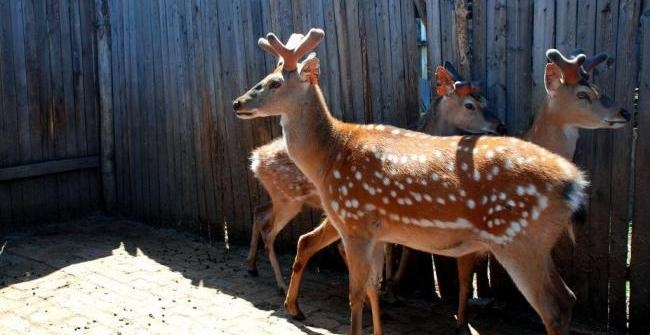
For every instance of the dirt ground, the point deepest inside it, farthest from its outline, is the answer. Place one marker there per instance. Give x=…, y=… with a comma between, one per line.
x=113, y=276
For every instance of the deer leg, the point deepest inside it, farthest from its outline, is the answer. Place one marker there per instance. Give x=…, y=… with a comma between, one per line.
x=261, y=216
x=396, y=279
x=308, y=244
x=538, y=280
x=359, y=268
x=281, y=216
x=465, y=272
x=372, y=292
x=388, y=250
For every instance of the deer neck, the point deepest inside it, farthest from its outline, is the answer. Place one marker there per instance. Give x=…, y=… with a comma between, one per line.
x=435, y=124
x=552, y=133
x=310, y=134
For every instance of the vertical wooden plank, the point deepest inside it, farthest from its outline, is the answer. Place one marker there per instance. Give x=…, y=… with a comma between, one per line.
x=518, y=71
x=543, y=39
x=209, y=120
x=118, y=78
x=385, y=75
x=621, y=155
x=5, y=190
x=479, y=43
x=640, y=250
x=398, y=40
x=25, y=189
x=151, y=128
x=565, y=25
x=91, y=92
x=233, y=86
x=496, y=56
x=357, y=46
x=372, y=65
x=161, y=145
x=78, y=91
x=173, y=107
x=600, y=198
x=70, y=123
x=449, y=44
x=198, y=83
x=345, y=54
x=411, y=63
x=434, y=52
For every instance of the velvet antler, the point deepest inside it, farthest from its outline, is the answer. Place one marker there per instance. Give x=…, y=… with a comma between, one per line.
x=297, y=46
x=570, y=67
x=593, y=61
x=462, y=87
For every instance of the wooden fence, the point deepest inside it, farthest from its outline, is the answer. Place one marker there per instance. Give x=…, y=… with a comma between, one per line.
x=49, y=139
x=172, y=68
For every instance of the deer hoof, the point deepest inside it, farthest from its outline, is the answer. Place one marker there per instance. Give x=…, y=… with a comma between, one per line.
x=253, y=272
x=299, y=316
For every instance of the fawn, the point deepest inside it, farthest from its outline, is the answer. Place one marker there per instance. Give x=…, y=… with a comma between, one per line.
x=571, y=103
x=446, y=195
x=458, y=107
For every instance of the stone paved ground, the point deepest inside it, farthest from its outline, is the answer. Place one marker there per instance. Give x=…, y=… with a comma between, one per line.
x=105, y=276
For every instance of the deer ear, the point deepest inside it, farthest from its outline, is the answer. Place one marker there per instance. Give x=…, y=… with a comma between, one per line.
x=309, y=69
x=552, y=78
x=445, y=81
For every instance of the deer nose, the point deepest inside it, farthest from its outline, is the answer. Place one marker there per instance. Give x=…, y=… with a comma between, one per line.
x=236, y=105
x=501, y=129
x=625, y=114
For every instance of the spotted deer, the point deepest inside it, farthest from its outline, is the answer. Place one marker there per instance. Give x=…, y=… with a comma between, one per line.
x=572, y=102
x=458, y=107
x=452, y=195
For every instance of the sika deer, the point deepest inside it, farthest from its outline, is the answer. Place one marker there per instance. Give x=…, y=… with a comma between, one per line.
x=445, y=195
x=571, y=103
x=459, y=107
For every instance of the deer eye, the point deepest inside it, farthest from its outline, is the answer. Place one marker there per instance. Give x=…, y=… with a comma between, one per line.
x=583, y=96
x=469, y=106
x=275, y=84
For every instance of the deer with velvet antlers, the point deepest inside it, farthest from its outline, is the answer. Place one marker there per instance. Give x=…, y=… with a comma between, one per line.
x=572, y=102
x=446, y=195
x=459, y=107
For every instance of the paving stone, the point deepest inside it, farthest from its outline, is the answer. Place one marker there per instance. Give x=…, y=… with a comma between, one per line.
x=119, y=276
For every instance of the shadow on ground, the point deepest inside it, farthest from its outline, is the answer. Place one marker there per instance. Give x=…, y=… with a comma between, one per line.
x=160, y=262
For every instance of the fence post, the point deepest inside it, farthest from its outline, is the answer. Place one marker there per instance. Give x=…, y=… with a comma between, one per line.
x=640, y=251
x=102, y=31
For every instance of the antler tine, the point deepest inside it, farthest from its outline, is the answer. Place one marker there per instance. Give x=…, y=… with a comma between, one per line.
x=452, y=69
x=570, y=68
x=593, y=61
x=264, y=44
x=309, y=42
x=274, y=41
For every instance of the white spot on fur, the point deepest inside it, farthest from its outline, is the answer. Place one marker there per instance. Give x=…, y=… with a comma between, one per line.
x=470, y=203
x=335, y=205
x=337, y=174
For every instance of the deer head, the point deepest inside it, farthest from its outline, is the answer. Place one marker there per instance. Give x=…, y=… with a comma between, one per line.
x=573, y=100
x=282, y=88
x=462, y=105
